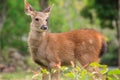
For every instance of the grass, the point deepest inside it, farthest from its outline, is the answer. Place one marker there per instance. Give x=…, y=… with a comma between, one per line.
x=21, y=75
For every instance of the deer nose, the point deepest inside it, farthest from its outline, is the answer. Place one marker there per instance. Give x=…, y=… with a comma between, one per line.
x=44, y=27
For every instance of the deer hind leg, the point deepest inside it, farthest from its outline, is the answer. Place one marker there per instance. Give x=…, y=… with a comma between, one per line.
x=85, y=61
x=98, y=74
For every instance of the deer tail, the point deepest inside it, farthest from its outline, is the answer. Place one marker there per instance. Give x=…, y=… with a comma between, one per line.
x=103, y=48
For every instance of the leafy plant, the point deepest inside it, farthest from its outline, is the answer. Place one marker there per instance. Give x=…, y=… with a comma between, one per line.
x=79, y=73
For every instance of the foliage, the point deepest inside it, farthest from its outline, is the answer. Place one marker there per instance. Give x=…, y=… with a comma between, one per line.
x=13, y=30
x=77, y=73
x=103, y=9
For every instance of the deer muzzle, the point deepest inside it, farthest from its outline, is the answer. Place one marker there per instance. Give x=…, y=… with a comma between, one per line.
x=44, y=27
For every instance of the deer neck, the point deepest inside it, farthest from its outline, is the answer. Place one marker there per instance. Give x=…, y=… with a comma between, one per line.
x=36, y=38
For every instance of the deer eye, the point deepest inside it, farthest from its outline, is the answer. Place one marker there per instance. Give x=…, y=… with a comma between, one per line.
x=36, y=19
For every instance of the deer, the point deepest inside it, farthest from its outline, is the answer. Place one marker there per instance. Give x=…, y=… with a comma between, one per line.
x=52, y=50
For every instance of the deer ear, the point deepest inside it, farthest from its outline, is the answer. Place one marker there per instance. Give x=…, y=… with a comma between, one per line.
x=28, y=8
x=47, y=10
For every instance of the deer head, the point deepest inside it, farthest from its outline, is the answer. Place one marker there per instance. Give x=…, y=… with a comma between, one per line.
x=39, y=19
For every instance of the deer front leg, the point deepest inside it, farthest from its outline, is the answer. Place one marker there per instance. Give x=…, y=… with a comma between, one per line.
x=55, y=70
x=55, y=75
x=45, y=76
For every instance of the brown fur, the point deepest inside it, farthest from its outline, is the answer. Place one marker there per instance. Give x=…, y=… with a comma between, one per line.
x=51, y=50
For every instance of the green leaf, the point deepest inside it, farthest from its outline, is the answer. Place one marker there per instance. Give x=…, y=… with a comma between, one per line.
x=63, y=68
x=53, y=70
x=103, y=71
x=84, y=72
x=109, y=78
x=78, y=68
x=103, y=66
x=70, y=75
x=113, y=72
x=95, y=64
x=44, y=71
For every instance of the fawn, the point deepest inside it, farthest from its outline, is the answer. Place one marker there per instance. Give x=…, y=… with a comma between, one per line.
x=52, y=50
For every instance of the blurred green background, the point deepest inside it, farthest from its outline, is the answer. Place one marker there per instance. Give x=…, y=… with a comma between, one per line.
x=66, y=15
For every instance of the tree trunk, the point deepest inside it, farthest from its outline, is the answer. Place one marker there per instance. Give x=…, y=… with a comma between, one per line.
x=2, y=20
x=43, y=4
x=118, y=33
x=2, y=13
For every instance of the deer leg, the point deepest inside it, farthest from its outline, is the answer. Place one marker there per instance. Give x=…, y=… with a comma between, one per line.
x=85, y=61
x=55, y=75
x=98, y=74
x=55, y=70
x=45, y=76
